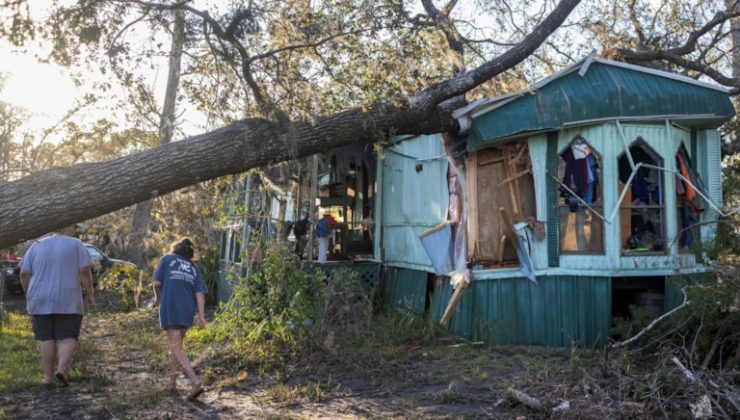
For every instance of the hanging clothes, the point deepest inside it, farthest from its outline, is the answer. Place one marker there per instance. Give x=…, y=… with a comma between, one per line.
x=580, y=175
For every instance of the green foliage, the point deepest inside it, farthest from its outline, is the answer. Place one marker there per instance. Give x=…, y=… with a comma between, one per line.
x=401, y=326
x=209, y=266
x=345, y=302
x=20, y=359
x=625, y=328
x=4, y=317
x=258, y=325
x=705, y=331
x=281, y=288
x=122, y=287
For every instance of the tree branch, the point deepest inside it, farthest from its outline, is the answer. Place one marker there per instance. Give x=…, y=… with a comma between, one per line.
x=437, y=93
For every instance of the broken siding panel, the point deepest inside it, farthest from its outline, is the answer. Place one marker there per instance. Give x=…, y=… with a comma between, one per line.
x=538, y=155
x=415, y=198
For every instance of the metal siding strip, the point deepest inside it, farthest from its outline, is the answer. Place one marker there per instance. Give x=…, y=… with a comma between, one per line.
x=553, y=242
x=714, y=181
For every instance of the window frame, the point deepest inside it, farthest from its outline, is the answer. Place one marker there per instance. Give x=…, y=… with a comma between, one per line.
x=653, y=153
x=560, y=204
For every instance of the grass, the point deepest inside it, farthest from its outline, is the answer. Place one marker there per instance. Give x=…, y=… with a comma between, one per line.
x=21, y=360
x=140, y=330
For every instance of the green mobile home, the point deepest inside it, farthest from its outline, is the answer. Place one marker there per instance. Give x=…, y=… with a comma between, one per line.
x=550, y=213
x=591, y=191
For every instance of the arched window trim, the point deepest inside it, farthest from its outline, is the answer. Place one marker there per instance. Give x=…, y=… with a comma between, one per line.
x=663, y=199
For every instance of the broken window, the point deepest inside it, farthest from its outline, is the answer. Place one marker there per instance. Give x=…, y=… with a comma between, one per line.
x=581, y=204
x=501, y=193
x=642, y=209
x=688, y=201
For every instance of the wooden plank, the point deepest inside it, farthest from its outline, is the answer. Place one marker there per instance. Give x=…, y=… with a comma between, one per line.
x=491, y=161
x=515, y=200
x=501, y=247
x=509, y=228
x=515, y=176
x=471, y=175
x=454, y=301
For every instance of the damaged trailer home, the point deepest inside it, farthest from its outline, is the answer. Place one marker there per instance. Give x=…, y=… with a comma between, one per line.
x=558, y=208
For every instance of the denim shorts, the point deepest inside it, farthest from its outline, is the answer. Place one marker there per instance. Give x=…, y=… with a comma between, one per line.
x=56, y=326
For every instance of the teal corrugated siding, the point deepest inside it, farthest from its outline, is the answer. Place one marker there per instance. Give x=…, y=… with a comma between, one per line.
x=605, y=91
x=559, y=312
x=404, y=288
x=415, y=198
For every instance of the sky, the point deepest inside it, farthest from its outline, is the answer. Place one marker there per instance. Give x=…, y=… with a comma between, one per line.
x=47, y=91
x=43, y=89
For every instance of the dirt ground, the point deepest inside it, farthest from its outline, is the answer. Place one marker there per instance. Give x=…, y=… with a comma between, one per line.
x=449, y=381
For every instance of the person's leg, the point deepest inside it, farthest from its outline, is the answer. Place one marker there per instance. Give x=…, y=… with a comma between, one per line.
x=48, y=352
x=67, y=332
x=65, y=351
x=323, y=249
x=174, y=372
x=43, y=331
x=175, y=337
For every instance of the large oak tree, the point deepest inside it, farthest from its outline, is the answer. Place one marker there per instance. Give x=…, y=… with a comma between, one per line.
x=52, y=199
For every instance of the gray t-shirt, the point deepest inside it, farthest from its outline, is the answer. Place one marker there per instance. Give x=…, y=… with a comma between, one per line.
x=54, y=263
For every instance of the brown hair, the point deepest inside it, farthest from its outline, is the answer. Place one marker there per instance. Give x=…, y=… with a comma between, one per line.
x=183, y=247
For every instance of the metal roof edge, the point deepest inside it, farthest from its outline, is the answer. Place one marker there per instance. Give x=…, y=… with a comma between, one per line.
x=596, y=121
x=643, y=118
x=661, y=73
x=464, y=114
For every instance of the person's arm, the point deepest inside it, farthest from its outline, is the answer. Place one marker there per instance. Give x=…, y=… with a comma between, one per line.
x=157, y=286
x=87, y=283
x=25, y=281
x=200, y=299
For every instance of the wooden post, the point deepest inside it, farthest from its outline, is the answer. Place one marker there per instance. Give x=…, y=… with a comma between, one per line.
x=312, y=205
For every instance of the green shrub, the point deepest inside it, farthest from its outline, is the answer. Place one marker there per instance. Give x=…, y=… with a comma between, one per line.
x=280, y=288
x=123, y=287
x=209, y=266
x=345, y=302
x=3, y=317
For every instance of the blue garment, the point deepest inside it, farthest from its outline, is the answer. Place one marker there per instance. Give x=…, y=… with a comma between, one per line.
x=55, y=263
x=181, y=280
x=323, y=229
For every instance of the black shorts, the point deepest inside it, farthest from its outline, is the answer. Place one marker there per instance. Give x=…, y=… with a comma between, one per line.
x=56, y=326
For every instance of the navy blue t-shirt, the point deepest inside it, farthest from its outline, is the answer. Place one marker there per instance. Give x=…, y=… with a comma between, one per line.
x=180, y=280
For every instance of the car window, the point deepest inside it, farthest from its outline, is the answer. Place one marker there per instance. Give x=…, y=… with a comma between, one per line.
x=94, y=253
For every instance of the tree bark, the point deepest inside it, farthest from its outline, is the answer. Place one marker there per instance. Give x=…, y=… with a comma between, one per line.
x=142, y=218
x=59, y=197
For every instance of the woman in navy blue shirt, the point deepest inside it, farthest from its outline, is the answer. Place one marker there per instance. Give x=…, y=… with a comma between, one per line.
x=180, y=293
